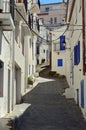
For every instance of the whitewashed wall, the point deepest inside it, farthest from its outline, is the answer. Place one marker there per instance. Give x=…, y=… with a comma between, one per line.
x=6, y=58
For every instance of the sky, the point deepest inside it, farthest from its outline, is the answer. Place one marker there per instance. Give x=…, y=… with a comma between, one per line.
x=49, y=1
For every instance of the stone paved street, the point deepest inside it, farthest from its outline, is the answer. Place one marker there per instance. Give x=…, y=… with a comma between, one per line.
x=49, y=109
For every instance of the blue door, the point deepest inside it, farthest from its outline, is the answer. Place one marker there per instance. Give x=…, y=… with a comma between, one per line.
x=82, y=93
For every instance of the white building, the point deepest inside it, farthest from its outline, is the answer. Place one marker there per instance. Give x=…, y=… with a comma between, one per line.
x=6, y=57
x=43, y=46
x=76, y=39
x=69, y=60
x=53, y=14
x=17, y=51
x=59, y=51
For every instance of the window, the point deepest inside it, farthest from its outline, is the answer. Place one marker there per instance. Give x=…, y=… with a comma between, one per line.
x=62, y=42
x=37, y=50
x=51, y=20
x=23, y=47
x=82, y=93
x=42, y=20
x=60, y=62
x=29, y=69
x=44, y=50
x=55, y=20
x=77, y=54
x=30, y=42
x=1, y=77
x=32, y=51
x=47, y=9
x=32, y=68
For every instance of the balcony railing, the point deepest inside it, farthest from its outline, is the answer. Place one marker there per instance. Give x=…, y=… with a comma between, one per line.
x=33, y=22
x=7, y=7
x=7, y=14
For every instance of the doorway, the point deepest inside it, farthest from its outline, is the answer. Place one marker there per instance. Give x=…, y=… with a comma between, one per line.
x=1, y=77
x=17, y=84
x=8, y=90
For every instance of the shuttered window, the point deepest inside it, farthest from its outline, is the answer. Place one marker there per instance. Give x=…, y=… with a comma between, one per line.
x=62, y=42
x=77, y=54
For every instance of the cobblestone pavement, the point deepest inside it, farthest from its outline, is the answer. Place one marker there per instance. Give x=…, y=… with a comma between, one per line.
x=49, y=109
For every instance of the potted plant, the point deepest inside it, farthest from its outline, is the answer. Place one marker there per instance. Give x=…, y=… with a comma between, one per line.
x=31, y=80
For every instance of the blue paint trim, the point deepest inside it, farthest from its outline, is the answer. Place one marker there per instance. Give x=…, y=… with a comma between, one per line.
x=82, y=93
x=77, y=54
x=60, y=62
x=62, y=41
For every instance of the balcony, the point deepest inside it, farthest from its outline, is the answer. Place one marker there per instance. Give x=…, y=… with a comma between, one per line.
x=39, y=40
x=6, y=22
x=33, y=23
x=6, y=16
x=22, y=8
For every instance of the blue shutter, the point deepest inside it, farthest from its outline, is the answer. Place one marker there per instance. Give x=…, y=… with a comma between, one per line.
x=62, y=41
x=77, y=54
x=60, y=62
x=82, y=93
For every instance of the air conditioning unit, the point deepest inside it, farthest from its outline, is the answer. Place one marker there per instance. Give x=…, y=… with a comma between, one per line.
x=1, y=6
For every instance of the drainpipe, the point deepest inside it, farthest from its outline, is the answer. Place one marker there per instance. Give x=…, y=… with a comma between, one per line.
x=50, y=50
x=83, y=34
x=13, y=68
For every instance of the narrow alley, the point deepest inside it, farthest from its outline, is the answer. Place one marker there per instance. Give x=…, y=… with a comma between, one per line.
x=49, y=109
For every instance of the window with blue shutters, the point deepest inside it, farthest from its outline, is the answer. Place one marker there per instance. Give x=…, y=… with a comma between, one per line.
x=60, y=62
x=77, y=54
x=62, y=42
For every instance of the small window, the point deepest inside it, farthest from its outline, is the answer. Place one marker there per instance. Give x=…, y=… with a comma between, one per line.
x=51, y=20
x=30, y=42
x=55, y=20
x=42, y=20
x=60, y=62
x=32, y=68
x=47, y=9
x=44, y=50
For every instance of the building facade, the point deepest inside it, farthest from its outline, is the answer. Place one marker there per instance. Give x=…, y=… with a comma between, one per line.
x=43, y=46
x=17, y=50
x=53, y=15
x=7, y=30
x=76, y=41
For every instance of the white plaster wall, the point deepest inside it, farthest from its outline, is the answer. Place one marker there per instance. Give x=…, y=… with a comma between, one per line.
x=74, y=37
x=20, y=61
x=42, y=54
x=6, y=58
x=55, y=67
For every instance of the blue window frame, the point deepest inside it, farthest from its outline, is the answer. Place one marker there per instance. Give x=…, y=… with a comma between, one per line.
x=59, y=62
x=62, y=41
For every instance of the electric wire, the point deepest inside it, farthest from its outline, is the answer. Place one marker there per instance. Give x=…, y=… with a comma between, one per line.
x=35, y=32
x=41, y=36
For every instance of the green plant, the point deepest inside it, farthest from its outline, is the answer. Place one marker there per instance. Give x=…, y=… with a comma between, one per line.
x=31, y=80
